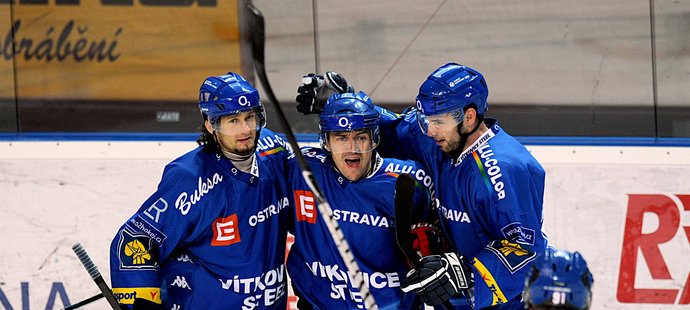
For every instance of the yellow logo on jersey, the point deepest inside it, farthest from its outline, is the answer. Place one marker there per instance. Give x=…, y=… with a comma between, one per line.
x=508, y=248
x=138, y=252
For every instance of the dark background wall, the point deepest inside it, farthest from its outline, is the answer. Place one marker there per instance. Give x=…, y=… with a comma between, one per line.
x=554, y=68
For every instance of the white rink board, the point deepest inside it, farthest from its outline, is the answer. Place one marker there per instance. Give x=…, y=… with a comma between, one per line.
x=54, y=194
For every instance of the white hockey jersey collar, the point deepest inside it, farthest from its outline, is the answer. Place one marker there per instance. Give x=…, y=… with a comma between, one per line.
x=251, y=177
x=483, y=139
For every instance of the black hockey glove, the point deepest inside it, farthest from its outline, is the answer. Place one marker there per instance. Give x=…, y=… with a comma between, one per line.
x=438, y=277
x=315, y=90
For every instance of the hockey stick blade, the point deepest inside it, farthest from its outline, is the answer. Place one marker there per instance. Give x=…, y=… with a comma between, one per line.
x=257, y=38
x=84, y=302
x=404, y=198
x=95, y=275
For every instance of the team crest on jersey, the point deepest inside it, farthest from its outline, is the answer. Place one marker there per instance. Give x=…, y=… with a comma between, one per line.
x=306, y=206
x=136, y=251
x=513, y=255
x=518, y=233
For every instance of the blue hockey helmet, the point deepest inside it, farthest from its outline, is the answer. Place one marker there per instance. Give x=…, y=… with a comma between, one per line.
x=349, y=112
x=229, y=94
x=451, y=89
x=560, y=280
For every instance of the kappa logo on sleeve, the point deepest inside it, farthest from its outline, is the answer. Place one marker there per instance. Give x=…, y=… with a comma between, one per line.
x=136, y=251
x=517, y=233
x=513, y=255
x=225, y=231
x=306, y=206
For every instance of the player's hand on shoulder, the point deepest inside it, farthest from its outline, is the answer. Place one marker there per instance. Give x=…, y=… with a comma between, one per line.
x=436, y=278
x=316, y=89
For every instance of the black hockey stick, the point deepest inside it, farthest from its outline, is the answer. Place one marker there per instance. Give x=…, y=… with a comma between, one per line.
x=257, y=31
x=96, y=276
x=404, y=202
x=84, y=302
x=404, y=199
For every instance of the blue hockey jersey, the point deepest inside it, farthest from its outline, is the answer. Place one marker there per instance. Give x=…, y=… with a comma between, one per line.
x=365, y=211
x=491, y=200
x=211, y=236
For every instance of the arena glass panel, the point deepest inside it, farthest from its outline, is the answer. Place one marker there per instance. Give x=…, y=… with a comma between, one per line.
x=673, y=64
x=553, y=67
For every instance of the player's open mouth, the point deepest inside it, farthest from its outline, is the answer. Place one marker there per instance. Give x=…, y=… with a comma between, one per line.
x=440, y=142
x=352, y=162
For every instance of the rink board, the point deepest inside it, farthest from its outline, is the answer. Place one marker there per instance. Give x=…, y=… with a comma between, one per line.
x=626, y=208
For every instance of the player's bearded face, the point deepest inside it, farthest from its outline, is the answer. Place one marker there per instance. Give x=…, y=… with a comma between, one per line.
x=351, y=152
x=443, y=129
x=237, y=133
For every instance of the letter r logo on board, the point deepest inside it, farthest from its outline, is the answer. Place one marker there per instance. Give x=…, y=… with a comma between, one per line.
x=306, y=206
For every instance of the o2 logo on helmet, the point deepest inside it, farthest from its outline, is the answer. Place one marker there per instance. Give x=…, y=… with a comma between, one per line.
x=419, y=106
x=343, y=122
x=243, y=101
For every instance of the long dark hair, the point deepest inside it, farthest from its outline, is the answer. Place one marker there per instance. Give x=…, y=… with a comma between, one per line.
x=207, y=140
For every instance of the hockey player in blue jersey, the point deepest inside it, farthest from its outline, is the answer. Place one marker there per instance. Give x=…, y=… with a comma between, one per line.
x=559, y=280
x=490, y=191
x=360, y=187
x=213, y=234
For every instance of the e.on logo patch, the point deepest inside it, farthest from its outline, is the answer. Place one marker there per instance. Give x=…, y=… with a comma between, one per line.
x=306, y=206
x=666, y=214
x=225, y=231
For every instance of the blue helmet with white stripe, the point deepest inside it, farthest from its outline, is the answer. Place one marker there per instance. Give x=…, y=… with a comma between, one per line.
x=559, y=280
x=451, y=89
x=349, y=112
x=229, y=94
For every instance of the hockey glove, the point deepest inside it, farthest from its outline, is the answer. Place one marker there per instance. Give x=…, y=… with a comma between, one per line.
x=315, y=90
x=438, y=277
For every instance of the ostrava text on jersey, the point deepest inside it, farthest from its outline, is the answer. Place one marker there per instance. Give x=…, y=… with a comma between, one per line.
x=491, y=200
x=365, y=211
x=211, y=236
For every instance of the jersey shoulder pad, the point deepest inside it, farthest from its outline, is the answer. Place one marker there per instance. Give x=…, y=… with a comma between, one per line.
x=496, y=166
x=187, y=165
x=270, y=143
x=314, y=154
x=399, y=166
x=196, y=172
